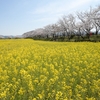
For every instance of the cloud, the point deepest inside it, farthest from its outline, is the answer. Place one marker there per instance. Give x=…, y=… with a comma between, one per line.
x=61, y=6
x=51, y=12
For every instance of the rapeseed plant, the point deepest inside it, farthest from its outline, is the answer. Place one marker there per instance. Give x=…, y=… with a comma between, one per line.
x=38, y=70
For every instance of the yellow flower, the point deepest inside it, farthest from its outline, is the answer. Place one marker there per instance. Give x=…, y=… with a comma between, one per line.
x=21, y=91
x=40, y=96
x=34, y=99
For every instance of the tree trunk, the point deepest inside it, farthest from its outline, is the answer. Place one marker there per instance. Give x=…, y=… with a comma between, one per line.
x=96, y=32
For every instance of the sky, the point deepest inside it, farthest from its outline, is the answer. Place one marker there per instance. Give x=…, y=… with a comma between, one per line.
x=20, y=16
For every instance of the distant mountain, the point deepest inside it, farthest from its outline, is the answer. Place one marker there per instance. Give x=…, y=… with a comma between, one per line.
x=10, y=36
x=20, y=36
x=1, y=36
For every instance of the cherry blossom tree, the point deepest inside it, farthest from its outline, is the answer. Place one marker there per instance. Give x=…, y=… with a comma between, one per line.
x=95, y=13
x=87, y=24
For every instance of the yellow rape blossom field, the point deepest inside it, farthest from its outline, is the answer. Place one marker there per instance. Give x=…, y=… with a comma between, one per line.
x=39, y=70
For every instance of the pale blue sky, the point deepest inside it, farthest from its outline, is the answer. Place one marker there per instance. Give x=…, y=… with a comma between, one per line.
x=20, y=16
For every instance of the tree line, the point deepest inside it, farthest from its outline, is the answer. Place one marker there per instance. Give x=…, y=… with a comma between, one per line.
x=83, y=26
